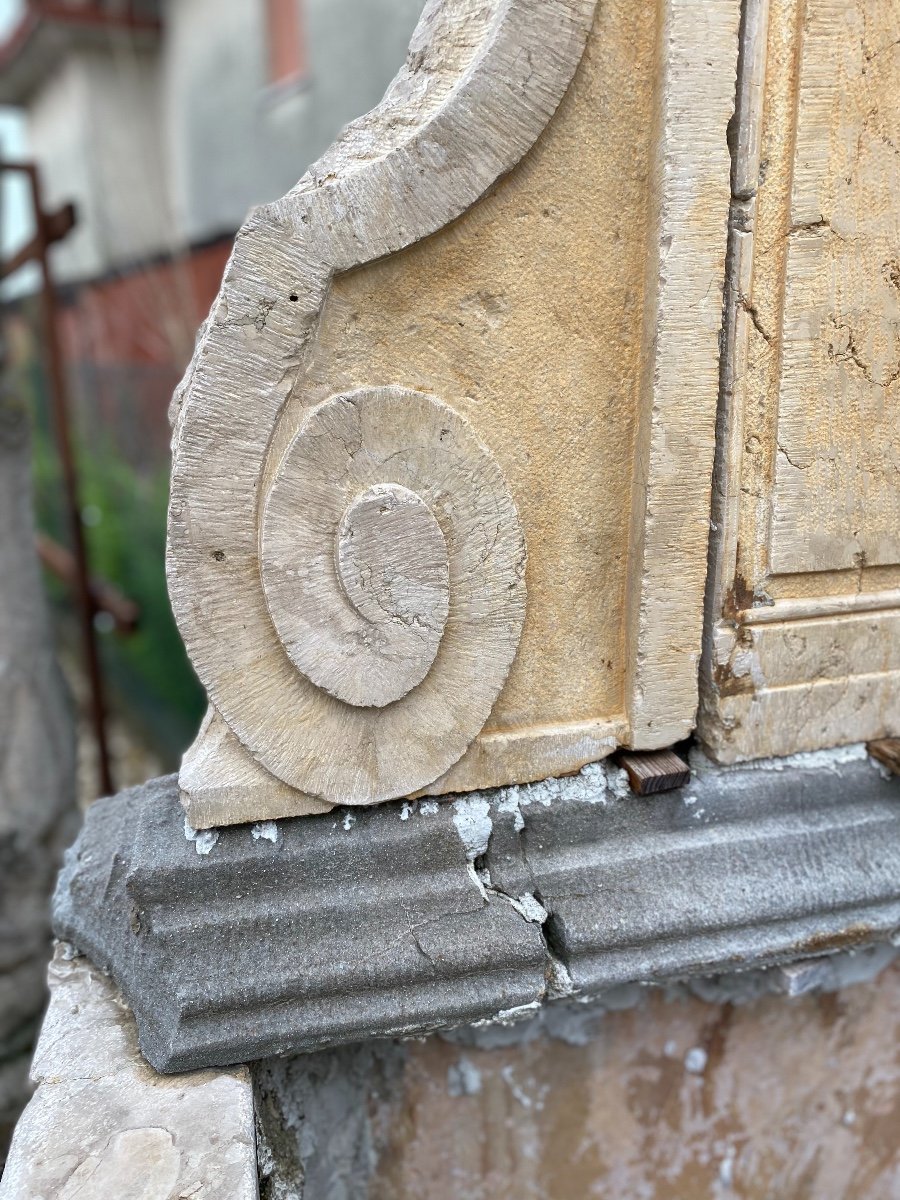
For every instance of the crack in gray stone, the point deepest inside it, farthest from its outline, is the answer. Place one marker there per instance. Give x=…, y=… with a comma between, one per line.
x=478, y=909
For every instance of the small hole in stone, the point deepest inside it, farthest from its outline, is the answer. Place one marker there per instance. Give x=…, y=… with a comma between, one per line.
x=219, y=555
x=293, y=296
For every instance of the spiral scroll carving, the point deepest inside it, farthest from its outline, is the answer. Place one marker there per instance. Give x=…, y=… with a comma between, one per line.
x=392, y=562
x=355, y=661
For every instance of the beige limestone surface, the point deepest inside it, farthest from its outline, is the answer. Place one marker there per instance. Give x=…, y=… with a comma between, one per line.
x=479, y=85
x=542, y=252
x=525, y=315
x=805, y=607
x=546, y=315
x=551, y=274
x=835, y=500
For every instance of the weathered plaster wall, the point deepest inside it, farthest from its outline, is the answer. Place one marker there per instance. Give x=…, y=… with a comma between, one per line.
x=169, y=145
x=233, y=141
x=52, y=117
x=94, y=131
x=662, y=1101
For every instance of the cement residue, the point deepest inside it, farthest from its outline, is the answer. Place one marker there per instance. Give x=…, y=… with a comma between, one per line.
x=316, y=1136
x=597, y=783
x=812, y=760
x=265, y=831
x=203, y=839
x=472, y=818
x=574, y=1020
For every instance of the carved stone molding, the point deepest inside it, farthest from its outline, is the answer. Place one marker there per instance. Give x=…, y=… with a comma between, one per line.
x=400, y=919
x=803, y=648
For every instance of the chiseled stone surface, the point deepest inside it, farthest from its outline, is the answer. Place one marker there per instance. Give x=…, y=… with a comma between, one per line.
x=104, y=1124
x=480, y=84
x=532, y=230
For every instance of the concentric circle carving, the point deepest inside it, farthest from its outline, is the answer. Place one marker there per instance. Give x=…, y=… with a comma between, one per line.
x=392, y=562
x=393, y=567
x=366, y=627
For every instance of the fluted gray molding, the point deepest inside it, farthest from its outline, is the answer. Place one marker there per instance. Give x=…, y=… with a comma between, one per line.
x=277, y=938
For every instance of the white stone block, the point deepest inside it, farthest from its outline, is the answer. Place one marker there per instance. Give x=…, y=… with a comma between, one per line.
x=104, y=1124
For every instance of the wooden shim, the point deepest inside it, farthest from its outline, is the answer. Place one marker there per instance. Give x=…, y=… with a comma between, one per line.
x=887, y=752
x=655, y=771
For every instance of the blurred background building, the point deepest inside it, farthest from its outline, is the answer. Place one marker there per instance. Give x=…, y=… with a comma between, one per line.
x=163, y=121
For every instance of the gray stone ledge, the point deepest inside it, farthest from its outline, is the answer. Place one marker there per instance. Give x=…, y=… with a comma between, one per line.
x=394, y=921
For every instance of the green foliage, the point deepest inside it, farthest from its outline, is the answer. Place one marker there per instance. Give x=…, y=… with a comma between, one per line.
x=124, y=517
x=127, y=546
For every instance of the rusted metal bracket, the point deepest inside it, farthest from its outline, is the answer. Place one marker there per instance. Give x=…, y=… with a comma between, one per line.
x=50, y=227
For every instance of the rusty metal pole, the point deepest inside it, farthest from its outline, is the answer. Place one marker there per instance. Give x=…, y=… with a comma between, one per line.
x=59, y=401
